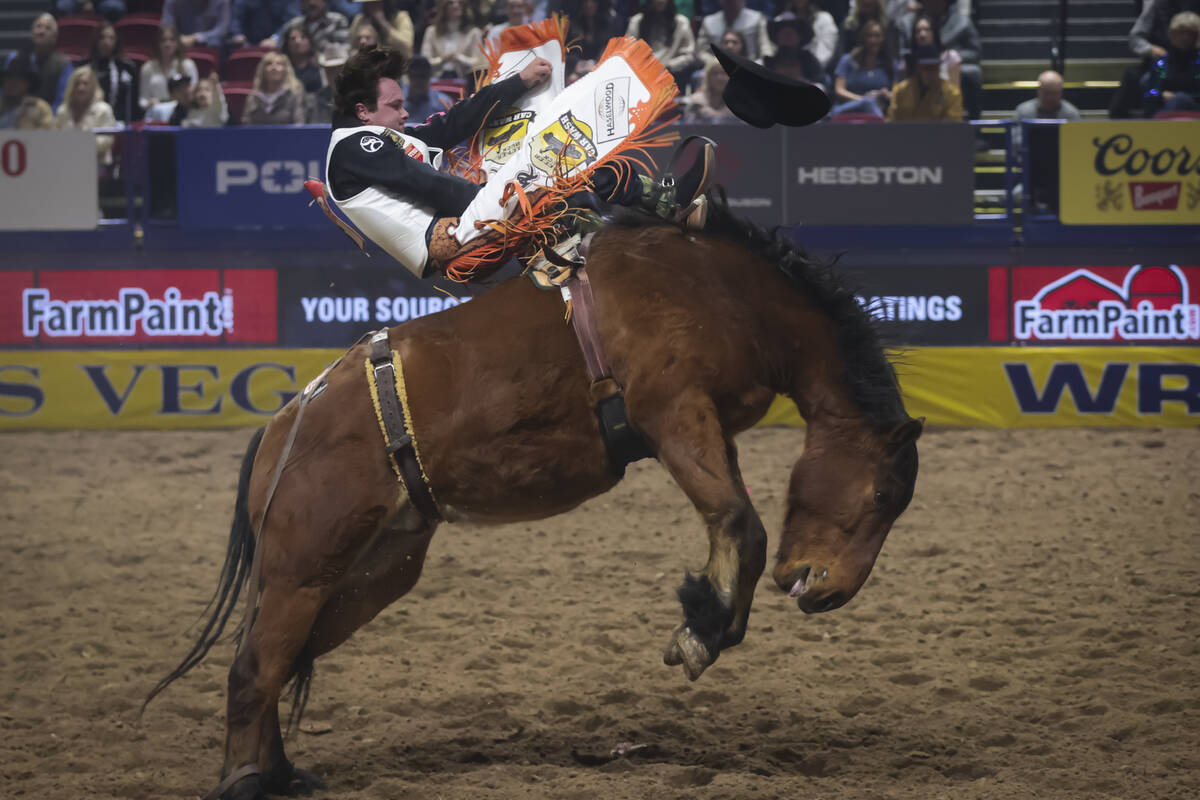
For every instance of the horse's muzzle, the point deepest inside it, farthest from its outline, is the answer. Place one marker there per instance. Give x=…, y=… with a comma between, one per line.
x=808, y=585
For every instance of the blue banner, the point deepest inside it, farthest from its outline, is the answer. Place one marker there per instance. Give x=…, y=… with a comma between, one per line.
x=249, y=178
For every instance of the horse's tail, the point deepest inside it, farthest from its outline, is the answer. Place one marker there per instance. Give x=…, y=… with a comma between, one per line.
x=239, y=557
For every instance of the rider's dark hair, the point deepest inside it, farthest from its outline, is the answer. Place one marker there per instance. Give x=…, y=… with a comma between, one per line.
x=358, y=82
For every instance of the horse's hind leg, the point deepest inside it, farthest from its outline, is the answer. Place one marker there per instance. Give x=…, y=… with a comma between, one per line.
x=256, y=678
x=716, y=604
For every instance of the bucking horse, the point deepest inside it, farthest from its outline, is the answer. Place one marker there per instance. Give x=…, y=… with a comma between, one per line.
x=701, y=331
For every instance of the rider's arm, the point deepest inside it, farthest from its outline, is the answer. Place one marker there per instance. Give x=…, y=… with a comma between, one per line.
x=462, y=120
x=355, y=166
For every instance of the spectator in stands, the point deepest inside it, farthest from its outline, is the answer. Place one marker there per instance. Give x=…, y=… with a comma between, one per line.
x=593, y=23
x=863, y=79
x=924, y=33
x=516, y=14
x=1049, y=103
x=111, y=10
x=734, y=15
x=168, y=60
x=199, y=105
x=116, y=76
x=299, y=51
x=1148, y=39
x=866, y=11
x=20, y=107
x=254, y=22
x=199, y=22
x=53, y=68
x=926, y=95
x=451, y=43
x=734, y=42
x=326, y=29
x=392, y=21
x=1174, y=80
x=669, y=35
x=707, y=103
x=792, y=36
x=420, y=99
x=319, y=106
x=278, y=97
x=85, y=109
x=362, y=35
x=179, y=101
x=824, y=30
x=955, y=31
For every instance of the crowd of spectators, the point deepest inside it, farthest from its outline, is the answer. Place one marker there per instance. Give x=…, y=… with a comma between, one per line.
x=882, y=59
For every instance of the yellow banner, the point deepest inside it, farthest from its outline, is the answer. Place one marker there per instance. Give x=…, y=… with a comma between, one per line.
x=972, y=386
x=1013, y=387
x=151, y=388
x=1129, y=173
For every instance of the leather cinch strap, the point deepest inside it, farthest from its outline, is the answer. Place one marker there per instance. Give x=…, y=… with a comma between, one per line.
x=583, y=319
x=398, y=439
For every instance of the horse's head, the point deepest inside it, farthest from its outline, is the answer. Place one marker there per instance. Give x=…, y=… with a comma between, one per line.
x=842, y=500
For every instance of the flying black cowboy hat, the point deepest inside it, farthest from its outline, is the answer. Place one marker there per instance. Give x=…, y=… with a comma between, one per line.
x=764, y=98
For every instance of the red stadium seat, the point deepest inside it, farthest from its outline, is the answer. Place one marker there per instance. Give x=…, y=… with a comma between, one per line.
x=454, y=87
x=207, y=59
x=75, y=35
x=235, y=99
x=138, y=31
x=854, y=118
x=241, y=64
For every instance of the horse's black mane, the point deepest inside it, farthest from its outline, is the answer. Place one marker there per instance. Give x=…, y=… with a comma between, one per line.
x=869, y=375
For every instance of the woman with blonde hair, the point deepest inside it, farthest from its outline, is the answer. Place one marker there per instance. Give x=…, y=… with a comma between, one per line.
x=169, y=59
x=451, y=43
x=707, y=103
x=83, y=108
x=278, y=97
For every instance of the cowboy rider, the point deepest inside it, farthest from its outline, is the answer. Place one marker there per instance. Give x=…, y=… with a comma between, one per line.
x=382, y=173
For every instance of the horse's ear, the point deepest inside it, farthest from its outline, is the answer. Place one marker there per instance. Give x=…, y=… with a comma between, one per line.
x=907, y=432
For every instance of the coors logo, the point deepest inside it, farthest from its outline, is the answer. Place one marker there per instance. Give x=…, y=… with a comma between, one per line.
x=1140, y=303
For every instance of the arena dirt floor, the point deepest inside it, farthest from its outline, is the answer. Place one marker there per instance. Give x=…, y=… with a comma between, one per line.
x=1031, y=629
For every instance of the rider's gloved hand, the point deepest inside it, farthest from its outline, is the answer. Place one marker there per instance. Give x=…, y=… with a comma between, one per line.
x=536, y=73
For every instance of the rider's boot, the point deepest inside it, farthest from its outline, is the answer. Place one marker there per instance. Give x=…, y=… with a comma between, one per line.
x=682, y=199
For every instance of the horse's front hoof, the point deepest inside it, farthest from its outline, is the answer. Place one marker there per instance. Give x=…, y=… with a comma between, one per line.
x=248, y=788
x=684, y=648
x=303, y=783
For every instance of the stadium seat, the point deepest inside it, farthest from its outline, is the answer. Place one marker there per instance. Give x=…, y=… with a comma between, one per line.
x=241, y=64
x=235, y=99
x=854, y=118
x=75, y=35
x=139, y=31
x=454, y=87
x=207, y=59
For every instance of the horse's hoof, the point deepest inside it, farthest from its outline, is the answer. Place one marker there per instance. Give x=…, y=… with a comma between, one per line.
x=684, y=648
x=248, y=788
x=304, y=783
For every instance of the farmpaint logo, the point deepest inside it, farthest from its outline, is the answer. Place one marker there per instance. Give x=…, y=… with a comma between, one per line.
x=1147, y=304
x=171, y=315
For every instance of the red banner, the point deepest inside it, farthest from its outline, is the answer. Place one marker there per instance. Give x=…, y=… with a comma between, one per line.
x=154, y=306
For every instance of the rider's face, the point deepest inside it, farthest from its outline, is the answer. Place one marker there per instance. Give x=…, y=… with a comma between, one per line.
x=389, y=110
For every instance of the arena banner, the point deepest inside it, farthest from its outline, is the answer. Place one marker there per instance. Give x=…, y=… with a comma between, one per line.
x=1131, y=172
x=904, y=173
x=154, y=307
x=248, y=177
x=748, y=166
x=48, y=180
x=323, y=308
x=969, y=386
x=1138, y=304
x=1017, y=387
x=920, y=304
x=151, y=388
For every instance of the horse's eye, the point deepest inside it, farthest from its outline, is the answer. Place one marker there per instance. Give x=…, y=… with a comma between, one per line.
x=881, y=498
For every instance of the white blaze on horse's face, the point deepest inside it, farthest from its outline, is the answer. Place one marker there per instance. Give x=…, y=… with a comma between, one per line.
x=842, y=500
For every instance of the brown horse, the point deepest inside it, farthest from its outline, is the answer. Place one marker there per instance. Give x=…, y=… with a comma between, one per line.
x=702, y=332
